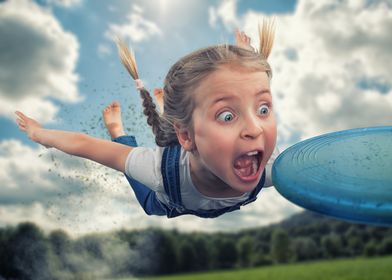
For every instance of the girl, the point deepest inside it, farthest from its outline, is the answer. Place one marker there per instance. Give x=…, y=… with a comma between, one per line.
x=215, y=136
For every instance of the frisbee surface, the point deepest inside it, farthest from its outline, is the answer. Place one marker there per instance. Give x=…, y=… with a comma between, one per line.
x=346, y=174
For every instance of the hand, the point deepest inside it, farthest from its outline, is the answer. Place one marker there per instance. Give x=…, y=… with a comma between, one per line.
x=158, y=93
x=28, y=125
x=243, y=41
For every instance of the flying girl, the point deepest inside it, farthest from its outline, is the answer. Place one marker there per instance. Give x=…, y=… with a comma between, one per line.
x=215, y=132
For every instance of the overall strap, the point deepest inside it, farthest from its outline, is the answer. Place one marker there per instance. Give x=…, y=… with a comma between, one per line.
x=171, y=175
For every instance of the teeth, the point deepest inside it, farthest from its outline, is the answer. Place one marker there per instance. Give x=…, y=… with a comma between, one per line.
x=254, y=165
x=252, y=153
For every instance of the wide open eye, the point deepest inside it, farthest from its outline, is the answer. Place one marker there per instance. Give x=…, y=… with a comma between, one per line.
x=225, y=116
x=264, y=110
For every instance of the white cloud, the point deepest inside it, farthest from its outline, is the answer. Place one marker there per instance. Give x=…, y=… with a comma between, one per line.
x=104, y=50
x=227, y=13
x=37, y=62
x=65, y=3
x=137, y=28
x=322, y=54
x=56, y=190
x=37, y=175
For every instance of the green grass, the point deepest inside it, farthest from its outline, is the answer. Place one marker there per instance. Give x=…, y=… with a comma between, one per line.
x=348, y=269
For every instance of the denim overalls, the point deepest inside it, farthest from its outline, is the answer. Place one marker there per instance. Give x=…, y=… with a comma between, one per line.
x=171, y=181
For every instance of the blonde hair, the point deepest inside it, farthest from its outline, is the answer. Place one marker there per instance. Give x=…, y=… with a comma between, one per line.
x=187, y=73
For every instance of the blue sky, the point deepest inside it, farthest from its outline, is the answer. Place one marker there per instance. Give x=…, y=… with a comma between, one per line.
x=331, y=63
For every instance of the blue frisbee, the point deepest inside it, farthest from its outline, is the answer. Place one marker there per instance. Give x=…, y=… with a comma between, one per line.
x=345, y=174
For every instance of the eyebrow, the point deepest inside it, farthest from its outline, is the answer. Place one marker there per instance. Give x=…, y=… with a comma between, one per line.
x=223, y=98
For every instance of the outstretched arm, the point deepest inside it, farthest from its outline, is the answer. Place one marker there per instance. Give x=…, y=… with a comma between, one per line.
x=105, y=152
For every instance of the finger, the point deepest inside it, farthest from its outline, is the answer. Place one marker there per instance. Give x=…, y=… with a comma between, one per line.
x=20, y=121
x=238, y=35
x=20, y=124
x=21, y=127
x=21, y=115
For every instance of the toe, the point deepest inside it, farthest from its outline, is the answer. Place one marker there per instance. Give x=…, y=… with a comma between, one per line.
x=115, y=104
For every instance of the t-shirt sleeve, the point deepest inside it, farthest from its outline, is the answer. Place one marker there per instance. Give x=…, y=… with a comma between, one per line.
x=268, y=167
x=144, y=165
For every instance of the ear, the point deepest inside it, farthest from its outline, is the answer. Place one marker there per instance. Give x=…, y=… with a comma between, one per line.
x=185, y=137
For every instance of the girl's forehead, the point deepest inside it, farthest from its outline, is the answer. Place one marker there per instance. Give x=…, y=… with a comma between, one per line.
x=233, y=77
x=227, y=81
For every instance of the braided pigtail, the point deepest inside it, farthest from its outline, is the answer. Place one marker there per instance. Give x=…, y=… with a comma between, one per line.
x=153, y=118
x=266, y=35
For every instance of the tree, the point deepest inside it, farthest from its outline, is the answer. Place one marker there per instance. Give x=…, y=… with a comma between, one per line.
x=371, y=248
x=355, y=245
x=354, y=240
x=332, y=245
x=385, y=247
x=92, y=245
x=5, y=255
x=202, y=252
x=280, y=246
x=245, y=250
x=304, y=248
x=60, y=242
x=28, y=253
x=262, y=248
x=155, y=252
x=186, y=256
x=225, y=252
x=60, y=248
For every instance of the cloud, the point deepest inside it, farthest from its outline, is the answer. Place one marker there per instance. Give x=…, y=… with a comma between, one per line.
x=38, y=61
x=64, y=3
x=37, y=175
x=225, y=12
x=56, y=190
x=103, y=50
x=331, y=63
x=137, y=28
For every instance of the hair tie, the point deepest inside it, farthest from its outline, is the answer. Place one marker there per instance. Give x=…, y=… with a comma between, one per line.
x=139, y=84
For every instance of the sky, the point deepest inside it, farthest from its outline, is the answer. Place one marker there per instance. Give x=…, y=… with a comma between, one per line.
x=331, y=65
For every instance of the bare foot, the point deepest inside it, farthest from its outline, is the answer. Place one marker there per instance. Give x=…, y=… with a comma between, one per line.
x=112, y=119
x=158, y=92
x=29, y=126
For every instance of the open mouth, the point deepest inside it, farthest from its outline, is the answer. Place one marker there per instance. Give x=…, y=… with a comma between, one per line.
x=247, y=166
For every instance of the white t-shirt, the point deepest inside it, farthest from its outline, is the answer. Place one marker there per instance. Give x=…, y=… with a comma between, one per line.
x=144, y=165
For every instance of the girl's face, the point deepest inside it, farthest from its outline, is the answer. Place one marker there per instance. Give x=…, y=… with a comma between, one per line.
x=234, y=128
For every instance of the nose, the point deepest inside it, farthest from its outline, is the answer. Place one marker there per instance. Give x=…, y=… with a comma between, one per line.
x=252, y=128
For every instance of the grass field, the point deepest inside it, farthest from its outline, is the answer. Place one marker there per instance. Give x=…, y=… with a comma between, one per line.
x=347, y=269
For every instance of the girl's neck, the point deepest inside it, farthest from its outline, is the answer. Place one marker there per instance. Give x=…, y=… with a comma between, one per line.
x=207, y=183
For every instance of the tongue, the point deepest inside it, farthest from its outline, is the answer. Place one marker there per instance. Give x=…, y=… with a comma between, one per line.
x=245, y=166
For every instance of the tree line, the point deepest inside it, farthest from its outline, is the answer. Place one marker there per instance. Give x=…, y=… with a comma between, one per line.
x=26, y=252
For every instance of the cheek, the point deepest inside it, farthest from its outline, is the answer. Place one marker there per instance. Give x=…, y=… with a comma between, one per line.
x=270, y=131
x=273, y=134
x=207, y=138
x=212, y=142
x=271, y=128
